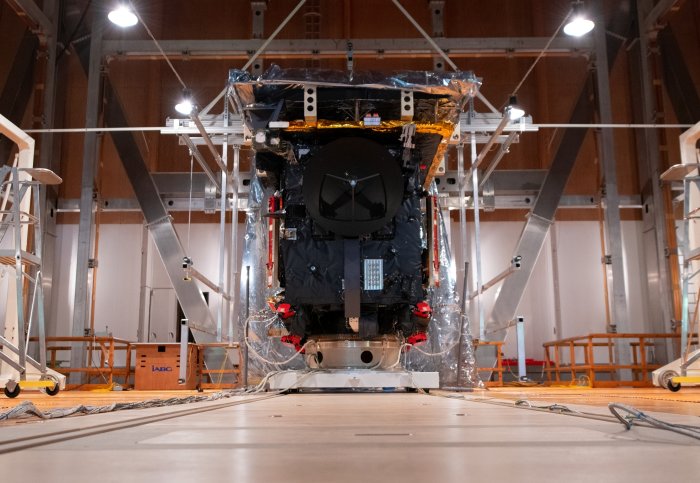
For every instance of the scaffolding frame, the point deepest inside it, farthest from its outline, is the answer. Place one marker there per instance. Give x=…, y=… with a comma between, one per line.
x=21, y=187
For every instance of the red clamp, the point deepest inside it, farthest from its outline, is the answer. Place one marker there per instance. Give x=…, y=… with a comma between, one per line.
x=294, y=340
x=285, y=311
x=422, y=310
x=418, y=338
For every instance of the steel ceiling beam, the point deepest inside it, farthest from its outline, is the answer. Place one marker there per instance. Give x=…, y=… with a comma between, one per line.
x=200, y=202
x=681, y=89
x=32, y=15
x=91, y=62
x=337, y=48
x=613, y=228
x=660, y=11
x=659, y=304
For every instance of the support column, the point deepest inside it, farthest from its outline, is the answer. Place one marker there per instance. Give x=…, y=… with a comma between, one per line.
x=49, y=195
x=437, y=13
x=81, y=306
x=660, y=300
x=534, y=232
x=613, y=230
x=258, y=8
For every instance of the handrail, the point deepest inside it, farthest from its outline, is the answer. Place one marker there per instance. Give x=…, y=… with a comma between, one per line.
x=558, y=364
x=499, y=369
x=106, y=369
x=221, y=372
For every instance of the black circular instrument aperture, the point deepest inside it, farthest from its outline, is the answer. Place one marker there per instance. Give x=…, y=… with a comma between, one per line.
x=352, y=186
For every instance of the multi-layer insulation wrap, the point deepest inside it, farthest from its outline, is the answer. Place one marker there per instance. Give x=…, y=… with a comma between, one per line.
x=344, y=177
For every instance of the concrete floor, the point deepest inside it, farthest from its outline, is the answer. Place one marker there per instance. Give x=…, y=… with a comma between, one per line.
x=348, y=438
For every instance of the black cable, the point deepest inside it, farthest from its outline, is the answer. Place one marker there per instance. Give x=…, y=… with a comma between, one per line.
x=641, y=418
x=634, y=414
x=71, y=38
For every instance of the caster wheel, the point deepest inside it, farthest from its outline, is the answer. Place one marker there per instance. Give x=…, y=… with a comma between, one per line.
x=411, y=389
x=12, y=394
x=52, y=391
x=673, y=387
x=427, y=391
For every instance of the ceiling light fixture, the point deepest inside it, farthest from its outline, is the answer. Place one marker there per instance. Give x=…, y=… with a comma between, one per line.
x=513, y=110
x=185, y=106
x=123, y=16
x=579, y=24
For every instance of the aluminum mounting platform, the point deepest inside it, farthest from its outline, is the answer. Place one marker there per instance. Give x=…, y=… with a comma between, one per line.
x=353, y=379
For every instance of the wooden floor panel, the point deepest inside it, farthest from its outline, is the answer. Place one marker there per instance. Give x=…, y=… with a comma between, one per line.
x=686, y=401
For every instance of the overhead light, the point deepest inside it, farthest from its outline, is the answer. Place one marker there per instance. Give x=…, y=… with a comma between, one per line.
x=123, y=16
x=579, y=24
x=513, y=110
x=185, y=106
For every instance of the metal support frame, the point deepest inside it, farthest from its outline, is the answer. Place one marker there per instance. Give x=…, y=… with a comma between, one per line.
x=463, y=235
x=234, y=273
x=201, y=161
x=47, y=158
x=184, y=344
x=425, y=35
x=660, y=302
x=520, y=336
x=207, y=140
x=223, y=314
x=514, y=266
x=272, y=36
x=687, y=257
x=310, y=106
x=258, y=9
x=477, y=238
x=660, y=10
x=81, y=305
x=338, y=48
x=449, y=200
x=37, y=21
x=541, y=217
x=613, y=229
x=162, y=231
x=24, y=219
x=258, y=18
x=437, y=14
x=690, y=251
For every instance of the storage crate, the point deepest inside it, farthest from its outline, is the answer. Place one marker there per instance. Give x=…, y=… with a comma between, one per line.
x=158, y=367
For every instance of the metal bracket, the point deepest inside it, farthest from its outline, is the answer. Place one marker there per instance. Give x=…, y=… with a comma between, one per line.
x=349, y=57
x=406, y=105
x=437, y=9
x=310, y=109
x=258, y=15
x=209, y=199
x=488, y=195
x=438, y=64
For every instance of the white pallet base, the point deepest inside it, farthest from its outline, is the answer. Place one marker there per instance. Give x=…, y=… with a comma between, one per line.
x=354, y=379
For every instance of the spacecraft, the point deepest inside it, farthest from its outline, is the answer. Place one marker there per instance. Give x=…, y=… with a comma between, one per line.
x=347, y=160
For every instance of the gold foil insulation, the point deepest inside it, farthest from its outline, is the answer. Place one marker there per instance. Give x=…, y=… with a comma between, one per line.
x=444, y=129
